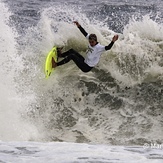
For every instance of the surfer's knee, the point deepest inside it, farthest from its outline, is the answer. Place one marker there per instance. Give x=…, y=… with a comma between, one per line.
x=71, y=51
x=84, y=71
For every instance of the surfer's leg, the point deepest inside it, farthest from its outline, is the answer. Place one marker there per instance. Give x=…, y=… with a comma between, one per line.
x=63, y=55
x=72, y=51
x=67, y=53
x=68, y=56
x=79, y=61
x=64, y=61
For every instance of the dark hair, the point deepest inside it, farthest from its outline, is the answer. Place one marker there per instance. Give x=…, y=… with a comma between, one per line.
x=93, y=37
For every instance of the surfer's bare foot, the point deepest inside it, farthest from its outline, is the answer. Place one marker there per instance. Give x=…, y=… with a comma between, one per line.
x=54, y=64
x=59, y=52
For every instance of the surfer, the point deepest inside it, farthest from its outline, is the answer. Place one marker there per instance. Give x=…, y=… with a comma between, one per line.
x=92, y=58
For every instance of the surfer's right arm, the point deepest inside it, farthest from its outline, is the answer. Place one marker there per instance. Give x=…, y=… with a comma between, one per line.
x=81, y=28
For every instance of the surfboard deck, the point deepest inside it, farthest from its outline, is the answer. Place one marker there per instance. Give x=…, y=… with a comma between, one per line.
x=48, y=63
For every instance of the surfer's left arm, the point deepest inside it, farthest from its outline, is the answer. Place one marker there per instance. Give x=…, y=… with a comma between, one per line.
x=115, y=38
x=82, y=30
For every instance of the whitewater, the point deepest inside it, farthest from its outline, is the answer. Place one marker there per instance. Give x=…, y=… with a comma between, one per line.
x=111, y=114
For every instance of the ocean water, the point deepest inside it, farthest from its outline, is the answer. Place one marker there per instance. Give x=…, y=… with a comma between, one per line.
x=120, y=102
x=62, y=152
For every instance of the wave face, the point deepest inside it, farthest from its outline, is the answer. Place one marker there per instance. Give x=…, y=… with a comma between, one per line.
x=119, y=102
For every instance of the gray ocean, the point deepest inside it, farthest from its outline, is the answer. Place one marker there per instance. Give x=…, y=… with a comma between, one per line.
x=120, y=102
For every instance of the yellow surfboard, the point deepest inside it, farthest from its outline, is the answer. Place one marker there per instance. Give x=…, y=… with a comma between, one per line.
x=48, y=62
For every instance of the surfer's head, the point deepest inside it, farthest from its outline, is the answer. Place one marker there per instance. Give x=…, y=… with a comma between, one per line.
x=92, y=39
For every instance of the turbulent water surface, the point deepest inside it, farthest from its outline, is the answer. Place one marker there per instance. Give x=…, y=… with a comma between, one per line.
x=120, y=102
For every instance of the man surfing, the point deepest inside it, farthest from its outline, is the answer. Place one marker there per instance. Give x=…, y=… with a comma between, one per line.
x=92, y=58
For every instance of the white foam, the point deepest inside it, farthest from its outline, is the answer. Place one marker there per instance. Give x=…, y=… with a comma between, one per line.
x=12, y=126
x=71, y=152
x=138, y=50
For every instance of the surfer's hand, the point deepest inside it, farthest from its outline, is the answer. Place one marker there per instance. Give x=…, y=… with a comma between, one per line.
x=77, y=24
x=115, y=38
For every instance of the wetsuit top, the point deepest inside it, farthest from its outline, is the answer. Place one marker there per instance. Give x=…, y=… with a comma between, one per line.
x=94, y=53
